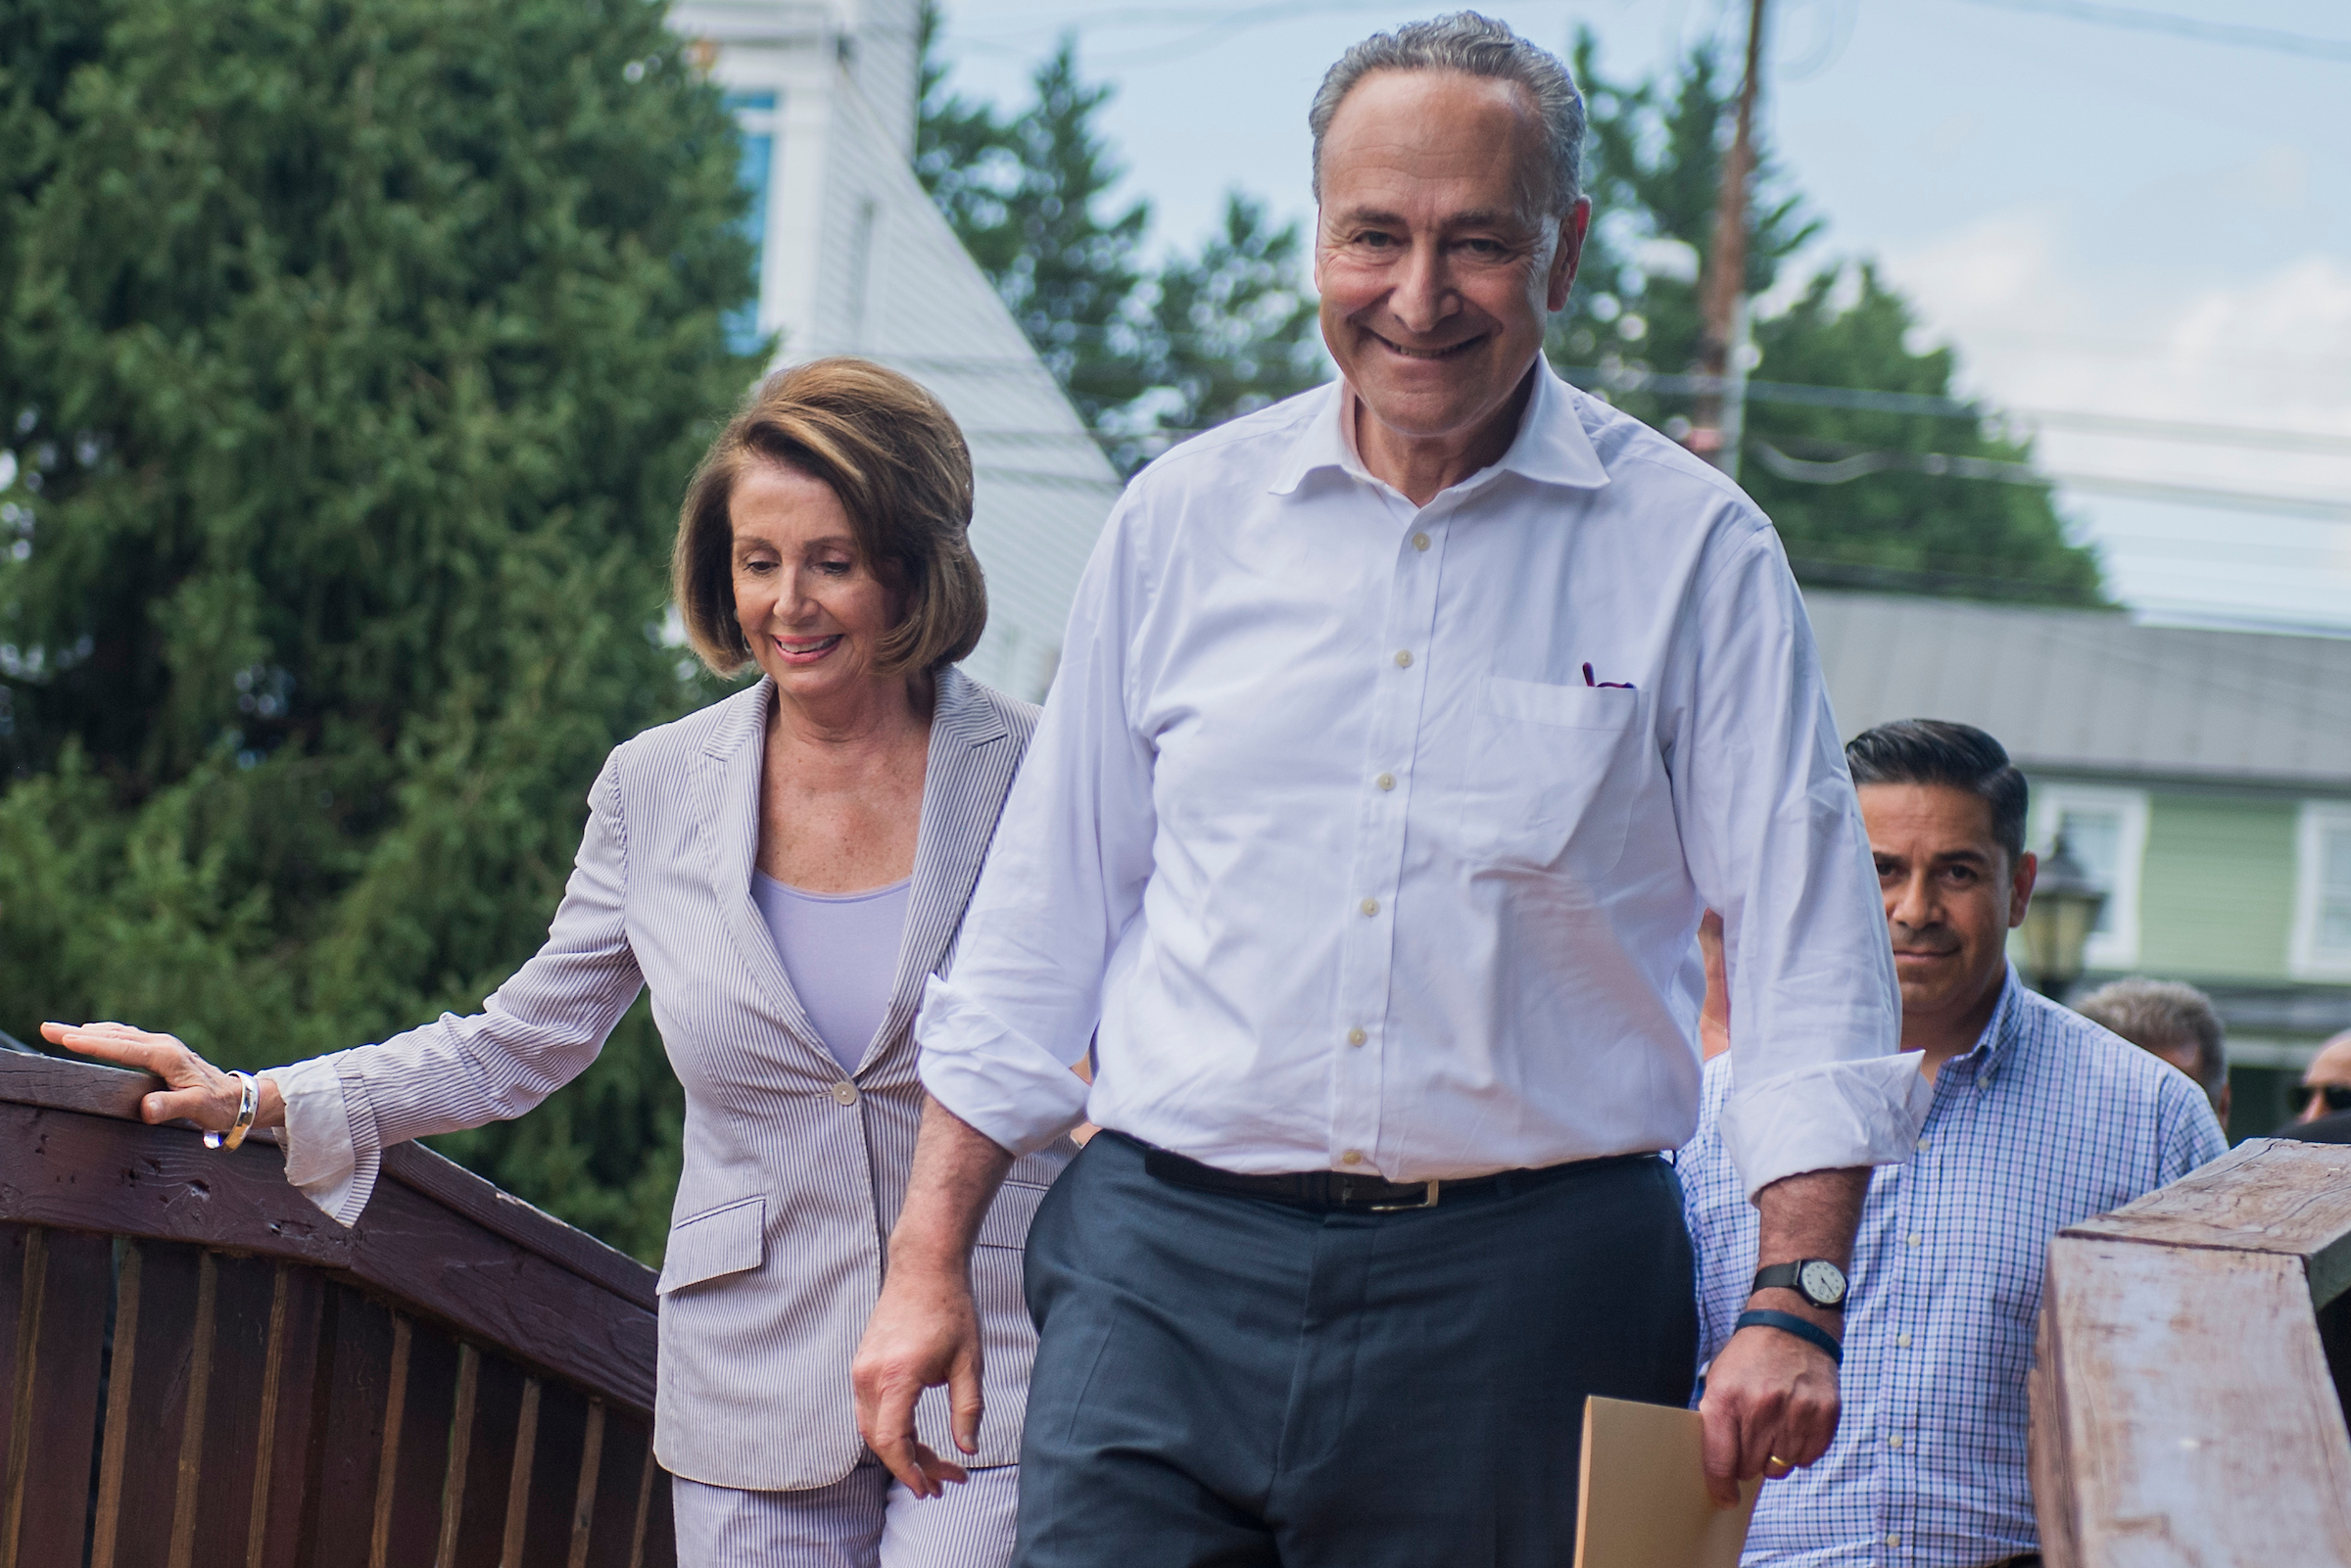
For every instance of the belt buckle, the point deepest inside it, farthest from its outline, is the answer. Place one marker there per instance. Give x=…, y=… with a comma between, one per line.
x=1428, y=1200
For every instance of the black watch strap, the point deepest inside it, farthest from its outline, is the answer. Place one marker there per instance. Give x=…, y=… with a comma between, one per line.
x=1790, y=1323
x=1790, y=1276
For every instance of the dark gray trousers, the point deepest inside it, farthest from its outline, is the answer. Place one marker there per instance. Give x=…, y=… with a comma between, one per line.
x=1224, y=1382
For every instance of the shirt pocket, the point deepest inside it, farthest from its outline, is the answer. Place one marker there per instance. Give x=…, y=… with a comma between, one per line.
x=1550, y=781
x=1007, y=1220
x=722, y=1241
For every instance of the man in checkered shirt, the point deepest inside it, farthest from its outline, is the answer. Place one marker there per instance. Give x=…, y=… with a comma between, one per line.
x=2040, y=1118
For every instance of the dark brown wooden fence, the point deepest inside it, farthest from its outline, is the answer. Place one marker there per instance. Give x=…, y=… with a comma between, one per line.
x=2195, y=1348
x=199, y=1371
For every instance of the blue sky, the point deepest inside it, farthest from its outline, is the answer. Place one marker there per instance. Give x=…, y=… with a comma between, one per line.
x=2102, y=218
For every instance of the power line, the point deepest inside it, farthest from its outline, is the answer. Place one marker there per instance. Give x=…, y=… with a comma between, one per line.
x=1859, y=464
x=1632, y=378
x=2132, y=19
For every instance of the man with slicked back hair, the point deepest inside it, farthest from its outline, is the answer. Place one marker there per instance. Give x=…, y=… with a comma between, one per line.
x=2039, y=1118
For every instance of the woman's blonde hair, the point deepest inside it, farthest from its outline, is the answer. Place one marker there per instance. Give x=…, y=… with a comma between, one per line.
x=893, y=454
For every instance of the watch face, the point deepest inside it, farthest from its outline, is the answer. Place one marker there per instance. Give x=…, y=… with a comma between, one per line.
x=1823, y=1282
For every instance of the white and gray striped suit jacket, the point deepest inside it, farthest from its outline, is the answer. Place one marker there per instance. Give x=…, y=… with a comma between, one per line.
x=793, y=1173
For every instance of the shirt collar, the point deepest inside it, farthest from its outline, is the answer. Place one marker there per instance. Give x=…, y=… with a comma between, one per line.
x=1551, y=446
x=1999, y=1031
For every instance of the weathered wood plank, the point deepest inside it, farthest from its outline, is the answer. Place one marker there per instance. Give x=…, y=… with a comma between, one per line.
x=478, y=1537
x=658, y=1547
x=17, y=1313
x=347, y=1460
x=86, y=1172
x=65, y=1084
x=582, y=1496
x=486, y=1287
x=408, y=1512
x=229, y=1447
x=502, y=1213
x=292, y=1397
x=2177, y=1453
x=97, y=1089
x=560, y=1446
x=161, y=1322
x=2263, y=1196
x=57, y=1408
x=620, y=1485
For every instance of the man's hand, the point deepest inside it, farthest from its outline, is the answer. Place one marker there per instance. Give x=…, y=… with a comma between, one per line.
x=1771, y=1398
x=925, y=1330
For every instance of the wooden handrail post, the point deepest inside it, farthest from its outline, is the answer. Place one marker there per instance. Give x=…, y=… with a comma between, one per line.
x=2184, y=1401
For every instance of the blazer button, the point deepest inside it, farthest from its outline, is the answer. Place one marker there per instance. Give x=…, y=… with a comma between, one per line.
x=844, y=1092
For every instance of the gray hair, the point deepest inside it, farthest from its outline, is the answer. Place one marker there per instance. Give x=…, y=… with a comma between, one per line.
x=2163, y=1016
x=1474, y=46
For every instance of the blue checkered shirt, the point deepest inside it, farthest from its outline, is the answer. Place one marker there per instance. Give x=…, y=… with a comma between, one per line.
x=2047, y=1120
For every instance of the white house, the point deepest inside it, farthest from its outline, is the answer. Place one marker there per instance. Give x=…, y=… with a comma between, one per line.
x=853, y=259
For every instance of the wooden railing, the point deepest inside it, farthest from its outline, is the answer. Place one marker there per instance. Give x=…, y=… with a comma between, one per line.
x=198, y=1369
x=2188, y=1390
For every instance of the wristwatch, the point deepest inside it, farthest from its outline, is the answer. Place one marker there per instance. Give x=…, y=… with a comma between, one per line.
x=1815, y=1279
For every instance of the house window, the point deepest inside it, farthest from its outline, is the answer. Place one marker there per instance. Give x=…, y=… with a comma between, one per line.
x=2106, y=830
x=755, y=118
x=2322, y=891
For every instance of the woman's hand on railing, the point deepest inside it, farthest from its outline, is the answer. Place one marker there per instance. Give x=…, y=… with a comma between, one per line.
x=198, y=1091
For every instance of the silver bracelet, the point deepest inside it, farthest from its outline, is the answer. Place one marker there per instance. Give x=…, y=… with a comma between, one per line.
x=249, y=1101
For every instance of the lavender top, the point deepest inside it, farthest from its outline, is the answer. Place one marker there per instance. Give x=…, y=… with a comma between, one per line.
x=840, y=953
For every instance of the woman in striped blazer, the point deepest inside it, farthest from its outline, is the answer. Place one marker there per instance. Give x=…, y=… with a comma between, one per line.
x=784, y=869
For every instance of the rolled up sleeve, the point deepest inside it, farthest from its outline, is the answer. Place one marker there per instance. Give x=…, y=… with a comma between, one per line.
x=1064, y=880
x=1775, y=843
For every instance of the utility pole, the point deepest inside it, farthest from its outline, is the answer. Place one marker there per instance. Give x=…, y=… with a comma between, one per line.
x=1718, y=420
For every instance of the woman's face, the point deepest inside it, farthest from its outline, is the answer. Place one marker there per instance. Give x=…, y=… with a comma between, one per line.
x=813, y=608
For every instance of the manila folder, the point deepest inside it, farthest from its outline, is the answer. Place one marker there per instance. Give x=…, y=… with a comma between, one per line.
x=1644, y=1501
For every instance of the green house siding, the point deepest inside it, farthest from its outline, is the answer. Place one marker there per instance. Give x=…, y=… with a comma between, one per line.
x=2217, y=888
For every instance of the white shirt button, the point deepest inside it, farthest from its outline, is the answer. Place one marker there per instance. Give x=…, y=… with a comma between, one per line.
x=1353, y=1156
x=1370, y=906
x=1895, y=1441
x=844, y=1093
x=1901, y=1342
x=1386, y=780
x=1913, y=1239
x=1419, y=542
x=1404, y=658
x=1894, y=1539
x=1356, y=1036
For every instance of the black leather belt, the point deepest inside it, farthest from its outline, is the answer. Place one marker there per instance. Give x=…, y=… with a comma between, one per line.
x=1325, y=1191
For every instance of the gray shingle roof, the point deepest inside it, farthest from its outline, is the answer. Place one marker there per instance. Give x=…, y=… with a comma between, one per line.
x=2090, y=691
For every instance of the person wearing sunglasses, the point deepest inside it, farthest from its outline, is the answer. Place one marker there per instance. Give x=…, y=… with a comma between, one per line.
x=2323, y=1101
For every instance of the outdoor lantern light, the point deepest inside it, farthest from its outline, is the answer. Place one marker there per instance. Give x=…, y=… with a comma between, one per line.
x=2065, y=905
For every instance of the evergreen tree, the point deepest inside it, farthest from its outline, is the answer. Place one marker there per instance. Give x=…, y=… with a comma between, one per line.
x=1652, y=168
x=354, y=358
x=1145, y=356
x=1236, y=325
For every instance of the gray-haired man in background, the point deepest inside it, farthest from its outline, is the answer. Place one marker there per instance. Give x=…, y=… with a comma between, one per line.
x=2175, y=1021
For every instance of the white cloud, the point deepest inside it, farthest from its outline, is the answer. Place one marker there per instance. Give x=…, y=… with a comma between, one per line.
x=2044, y=325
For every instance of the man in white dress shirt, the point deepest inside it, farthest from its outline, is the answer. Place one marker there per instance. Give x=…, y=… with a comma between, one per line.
x=1403, y=731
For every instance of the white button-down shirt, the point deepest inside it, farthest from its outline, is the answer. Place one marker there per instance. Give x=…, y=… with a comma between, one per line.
x=1361, y=835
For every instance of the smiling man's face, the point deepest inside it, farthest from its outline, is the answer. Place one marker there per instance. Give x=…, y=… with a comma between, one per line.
x=1436, y=265
x=1951, y=897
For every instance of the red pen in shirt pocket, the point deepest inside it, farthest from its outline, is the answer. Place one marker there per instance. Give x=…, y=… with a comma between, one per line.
x=1621, y=685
